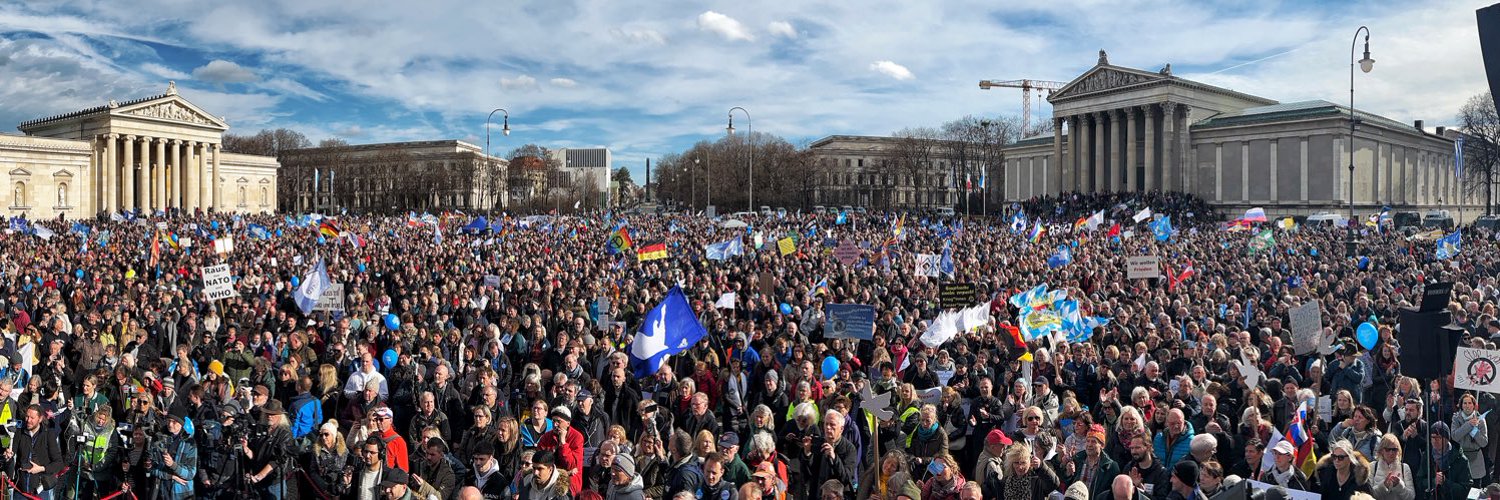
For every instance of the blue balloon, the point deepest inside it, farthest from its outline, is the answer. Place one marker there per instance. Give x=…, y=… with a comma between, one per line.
x=388, y=358
x=1364, y=263
x=786, y=308
x=361, y=267
x=278, y=233
x=1367, y=335
x=1313, y=252
x=830, y=367
x=78, y=273
x=392, y=322
x=296, y=282
x=214, y=224
x=322, y=240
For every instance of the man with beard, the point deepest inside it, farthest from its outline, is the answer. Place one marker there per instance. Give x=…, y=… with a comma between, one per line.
x=433, y=468
x=1145, y=470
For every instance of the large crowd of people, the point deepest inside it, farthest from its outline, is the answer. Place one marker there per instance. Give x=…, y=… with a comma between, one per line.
x=495, y=360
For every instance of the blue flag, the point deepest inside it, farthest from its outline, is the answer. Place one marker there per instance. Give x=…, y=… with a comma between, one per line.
x=671, y=327
x=1018, y=223
x=1449, y=245
x=476, y=226
x=1162, y=228
x=723, y=250
x=945, y=265
x=312, y=288
x=1062, y=257
x=849, y=321
x=842, y=219
x=259, y=232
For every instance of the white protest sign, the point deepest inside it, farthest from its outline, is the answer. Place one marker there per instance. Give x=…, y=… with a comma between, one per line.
x=332, y=299
x=217, y=284
x=1143, y=267
x=1291, y=494
x=1307, y=325
x=223, y=245
x=928, y=265
x=1474, y=369
x=161, y=226
x=492, y=281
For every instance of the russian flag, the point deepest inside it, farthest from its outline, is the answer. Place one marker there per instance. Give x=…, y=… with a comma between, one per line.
x=1256, y=214
x=1296, y=431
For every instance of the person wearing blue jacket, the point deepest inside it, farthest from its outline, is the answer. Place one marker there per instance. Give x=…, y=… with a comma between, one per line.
x=174, y=461
x=1174, y=443
x=1347, y=372
x=307, y=411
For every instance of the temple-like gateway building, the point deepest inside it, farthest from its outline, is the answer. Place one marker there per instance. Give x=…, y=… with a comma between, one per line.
x=147, y=154
x=1121, y=129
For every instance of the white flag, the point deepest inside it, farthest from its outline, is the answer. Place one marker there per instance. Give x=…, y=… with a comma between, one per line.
x=1144, y=214
x=725, y=301
x=941, y=330
x=1095, y=220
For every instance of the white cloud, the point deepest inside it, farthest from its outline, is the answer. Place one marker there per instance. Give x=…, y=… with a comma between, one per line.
x=724, y=26
x=892, y=70
x=163, y=71
x=782, y=29
x=293, y=87
x=523, y=82
x=566, y=83
x=640, y=35
x=221, y=71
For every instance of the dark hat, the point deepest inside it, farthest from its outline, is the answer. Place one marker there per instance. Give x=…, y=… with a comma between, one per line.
x=394, y=476
x=174, y=418
x=262, y=390
x=584, y=394
x=729, y=439
x=231, y=407
x=1439, y=429
x=1187, y=472
x=273, y=407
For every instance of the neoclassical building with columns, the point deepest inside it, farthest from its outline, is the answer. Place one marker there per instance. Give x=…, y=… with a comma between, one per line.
x=147, y=154
x=1122, y=129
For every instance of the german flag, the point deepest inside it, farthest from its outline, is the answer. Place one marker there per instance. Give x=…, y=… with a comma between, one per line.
x=329, y=229
x=651, y=252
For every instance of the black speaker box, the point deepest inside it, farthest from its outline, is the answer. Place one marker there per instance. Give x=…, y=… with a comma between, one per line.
x=1428, y=343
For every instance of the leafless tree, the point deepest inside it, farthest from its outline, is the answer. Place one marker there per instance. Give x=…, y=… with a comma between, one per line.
x=1480, y=125
x=914, y=153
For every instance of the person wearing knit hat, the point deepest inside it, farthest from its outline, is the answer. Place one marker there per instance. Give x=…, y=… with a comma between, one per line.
x=903, y=487
x=1451, y=477
x=1185, y=478
x=1077, y=491
x=624, y=482
x=1092, y=468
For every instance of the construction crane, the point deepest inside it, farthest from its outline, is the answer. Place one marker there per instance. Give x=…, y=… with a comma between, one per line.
x=1027, y=87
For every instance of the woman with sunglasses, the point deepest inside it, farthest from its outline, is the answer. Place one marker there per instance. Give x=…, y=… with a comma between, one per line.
x=326, y=461
x=1341, y=473
x=1390, y=478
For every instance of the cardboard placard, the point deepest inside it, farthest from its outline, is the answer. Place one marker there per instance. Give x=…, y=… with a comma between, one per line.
x=217, y=284
x=1143, y=267
x=1306, y=322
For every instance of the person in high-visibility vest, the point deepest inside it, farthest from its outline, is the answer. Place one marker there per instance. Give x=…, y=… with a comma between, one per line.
x=97, y=455
x=9, y=410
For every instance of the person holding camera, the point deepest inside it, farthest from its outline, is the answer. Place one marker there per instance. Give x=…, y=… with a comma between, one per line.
x=219, y=468
x=35, y=456
x=96, y=448
x=263, y=462
x=174, y=461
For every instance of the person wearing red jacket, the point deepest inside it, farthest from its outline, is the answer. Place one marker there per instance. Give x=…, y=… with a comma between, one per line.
x=567, y=442
x=395, y=445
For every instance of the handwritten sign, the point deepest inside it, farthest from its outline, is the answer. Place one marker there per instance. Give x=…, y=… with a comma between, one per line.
x=1307, y=325
x=1143, y=267
x=217, y=284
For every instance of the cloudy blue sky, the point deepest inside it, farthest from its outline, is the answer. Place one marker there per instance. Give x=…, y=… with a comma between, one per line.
x=649, y=78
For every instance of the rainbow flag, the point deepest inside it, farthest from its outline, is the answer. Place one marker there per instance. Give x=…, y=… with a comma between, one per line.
x=1037, y=232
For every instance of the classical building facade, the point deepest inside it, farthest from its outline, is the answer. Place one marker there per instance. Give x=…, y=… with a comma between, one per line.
x=1122, y=129
x=883, y=173
x=393, y=178
x=147, y=154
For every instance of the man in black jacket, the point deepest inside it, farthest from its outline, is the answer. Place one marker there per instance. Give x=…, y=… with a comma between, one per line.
x=36, y=455
x=835, y=458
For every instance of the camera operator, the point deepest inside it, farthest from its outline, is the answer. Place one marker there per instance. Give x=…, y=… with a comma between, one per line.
x=264, y=462
x=35, y=455
x=326, y=462
x=218, y=468
x=174, y=461
x=96, y=449
x=367, y=469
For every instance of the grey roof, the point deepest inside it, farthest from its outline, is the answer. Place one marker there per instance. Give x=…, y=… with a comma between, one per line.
x=1292, y=111
x=89, y=111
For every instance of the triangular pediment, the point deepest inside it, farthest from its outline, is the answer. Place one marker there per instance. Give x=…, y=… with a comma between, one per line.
x=20, y=172
x=1103, y=78
x=173, y=108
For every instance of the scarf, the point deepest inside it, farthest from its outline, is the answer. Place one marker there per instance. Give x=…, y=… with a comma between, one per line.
x=927, y=433
x=1282, y=478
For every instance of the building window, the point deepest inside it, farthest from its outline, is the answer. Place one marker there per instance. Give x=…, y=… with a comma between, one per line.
x=265, y=196
x=241, y=194
x=18, y=195
x=861, y=162
x=62, y=194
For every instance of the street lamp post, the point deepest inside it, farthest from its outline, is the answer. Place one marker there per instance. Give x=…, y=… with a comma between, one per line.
x=750, y=133
x=693, y=201
x=490, y=163
x=1365, y=65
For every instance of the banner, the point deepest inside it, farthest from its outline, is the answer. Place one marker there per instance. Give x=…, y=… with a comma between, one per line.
x=217, y=284
x=928, y=265
x=1306, y=322
x=1143, y=267
x=492, y=281
x=332, y=299
x=956, y=295
x=1474, y=370
x=849, y=321
x=847, y=253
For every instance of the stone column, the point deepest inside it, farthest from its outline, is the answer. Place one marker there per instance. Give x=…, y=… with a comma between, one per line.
x=111, y=173
x=174, y=176
x=1100, y=153
x=1169, y=136
x=1056, y=153
x=1116, y=122
x=1150, y=160
x=159, y=176
x=216, y=189
x=1070, y=168
x=1130, y=157
x=1086, y=153
x=204, y=198
x=1184, y=149
x=190, y=178
x=127, y=187
x=143, y=177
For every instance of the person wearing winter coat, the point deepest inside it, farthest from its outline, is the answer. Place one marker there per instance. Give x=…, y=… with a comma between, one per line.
x=545, y=481
x=1470, y=435
x=177, y=463
x=1341, y=473
x=1174, y=443
x=1447, y=467
x=1390, y=478
x=625, y=484
x=1026, y=477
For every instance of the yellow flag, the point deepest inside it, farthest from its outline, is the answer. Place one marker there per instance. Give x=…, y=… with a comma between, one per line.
x=1026, y=357
x=787, y=246
x=130, y=274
